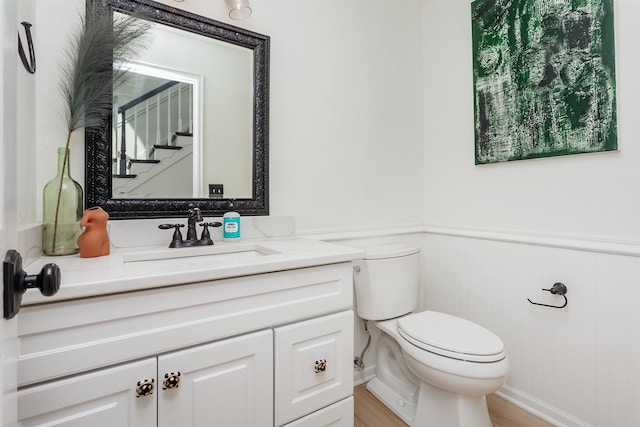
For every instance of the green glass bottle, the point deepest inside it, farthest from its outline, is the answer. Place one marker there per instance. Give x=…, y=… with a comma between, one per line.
x=62, y=205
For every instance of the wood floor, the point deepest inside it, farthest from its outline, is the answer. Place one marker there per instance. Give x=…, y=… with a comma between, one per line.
x=370, y=412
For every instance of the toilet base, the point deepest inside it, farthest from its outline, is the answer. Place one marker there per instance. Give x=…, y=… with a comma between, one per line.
x=403, y=408
x=441, y=408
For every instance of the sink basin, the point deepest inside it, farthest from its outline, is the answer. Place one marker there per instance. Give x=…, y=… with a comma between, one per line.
x=209, y=254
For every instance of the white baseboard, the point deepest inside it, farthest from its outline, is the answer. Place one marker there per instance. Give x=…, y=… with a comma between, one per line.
x=540, y=409
x=520, y=399
x=361, y=376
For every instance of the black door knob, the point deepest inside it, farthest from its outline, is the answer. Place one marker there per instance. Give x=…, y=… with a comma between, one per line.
x=16, y=282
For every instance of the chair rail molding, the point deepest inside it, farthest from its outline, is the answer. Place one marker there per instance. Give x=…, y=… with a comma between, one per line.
x=588, y=244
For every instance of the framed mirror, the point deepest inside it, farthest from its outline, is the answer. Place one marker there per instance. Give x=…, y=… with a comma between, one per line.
x=190, y=123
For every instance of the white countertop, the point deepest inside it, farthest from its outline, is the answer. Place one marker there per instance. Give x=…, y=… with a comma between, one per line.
x=119, y=272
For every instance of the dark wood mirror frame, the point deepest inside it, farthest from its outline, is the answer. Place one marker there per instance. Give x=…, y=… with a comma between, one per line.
x=98, y=158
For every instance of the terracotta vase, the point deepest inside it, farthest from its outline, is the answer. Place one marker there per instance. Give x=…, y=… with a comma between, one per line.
x=94, y=240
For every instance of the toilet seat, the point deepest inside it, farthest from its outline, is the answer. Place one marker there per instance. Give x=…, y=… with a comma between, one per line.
x=451, y=337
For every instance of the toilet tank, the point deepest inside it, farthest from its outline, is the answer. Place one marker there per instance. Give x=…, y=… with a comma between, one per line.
x=386, y=282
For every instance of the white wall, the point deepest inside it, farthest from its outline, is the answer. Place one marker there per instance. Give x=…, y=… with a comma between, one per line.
x=346, y=103
x=587, y=195
x=41, y=124
x=499, y=233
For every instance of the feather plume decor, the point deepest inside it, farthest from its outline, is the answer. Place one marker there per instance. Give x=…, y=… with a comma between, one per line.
x=92, y=66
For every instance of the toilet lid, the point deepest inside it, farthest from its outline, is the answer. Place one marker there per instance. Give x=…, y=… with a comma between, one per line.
x=451, y=336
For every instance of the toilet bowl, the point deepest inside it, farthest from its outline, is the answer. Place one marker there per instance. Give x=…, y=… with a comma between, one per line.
x=432, y=369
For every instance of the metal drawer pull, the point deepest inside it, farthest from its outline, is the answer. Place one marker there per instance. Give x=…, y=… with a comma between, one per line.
x=171, y=380
x=321, y=366
x=145, y=388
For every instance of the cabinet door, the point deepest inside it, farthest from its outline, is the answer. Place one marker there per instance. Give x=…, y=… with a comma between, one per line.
x=103, y=398
x=226, y=383
x=313, y=365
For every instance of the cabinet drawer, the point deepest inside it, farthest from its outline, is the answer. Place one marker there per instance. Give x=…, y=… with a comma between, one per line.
x=337, y=415
x=313, y=365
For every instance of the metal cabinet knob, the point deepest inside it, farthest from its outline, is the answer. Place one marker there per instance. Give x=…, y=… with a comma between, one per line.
x=145, y=387
x=321, y=366
x=171, y=380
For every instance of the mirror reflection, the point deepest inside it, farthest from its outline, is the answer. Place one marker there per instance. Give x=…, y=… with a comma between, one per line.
x=158, y=154
x=153, y=137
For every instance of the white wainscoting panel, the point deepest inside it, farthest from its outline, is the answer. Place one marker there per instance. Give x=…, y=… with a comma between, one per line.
x=579, y=365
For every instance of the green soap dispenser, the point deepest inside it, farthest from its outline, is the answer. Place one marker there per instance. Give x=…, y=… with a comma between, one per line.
x=231, y=226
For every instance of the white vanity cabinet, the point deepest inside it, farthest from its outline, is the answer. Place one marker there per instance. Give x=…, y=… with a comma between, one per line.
x=259, y=350
x=226, y=383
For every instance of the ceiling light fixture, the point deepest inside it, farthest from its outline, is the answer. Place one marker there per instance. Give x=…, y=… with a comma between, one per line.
x=238, y=9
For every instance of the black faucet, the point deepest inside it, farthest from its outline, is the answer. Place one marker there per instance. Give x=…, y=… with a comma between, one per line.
x=194, y=217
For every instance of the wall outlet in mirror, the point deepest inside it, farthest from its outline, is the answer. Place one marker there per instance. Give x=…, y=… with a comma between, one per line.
x=216, y=191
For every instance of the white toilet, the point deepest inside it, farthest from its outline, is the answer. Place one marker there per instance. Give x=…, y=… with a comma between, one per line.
x=432, y=369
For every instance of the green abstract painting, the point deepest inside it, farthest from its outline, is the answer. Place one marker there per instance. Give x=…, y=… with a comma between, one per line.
x=544, y=78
